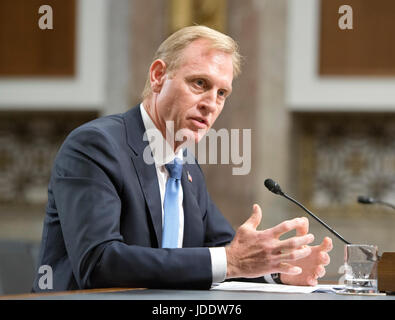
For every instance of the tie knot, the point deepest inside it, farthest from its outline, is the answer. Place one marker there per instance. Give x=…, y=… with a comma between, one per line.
x=175, y=168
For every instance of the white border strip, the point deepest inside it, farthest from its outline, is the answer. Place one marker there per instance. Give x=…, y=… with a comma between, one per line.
x=307, y=91
x=87, y=89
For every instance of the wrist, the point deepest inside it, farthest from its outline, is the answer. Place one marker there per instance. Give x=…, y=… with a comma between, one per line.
x=231, y=265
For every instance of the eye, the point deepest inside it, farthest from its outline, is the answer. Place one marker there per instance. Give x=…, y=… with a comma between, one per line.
x=200, y=83
x=222, y=93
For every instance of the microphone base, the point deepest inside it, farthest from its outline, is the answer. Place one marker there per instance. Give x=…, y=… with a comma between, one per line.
x=386, y=273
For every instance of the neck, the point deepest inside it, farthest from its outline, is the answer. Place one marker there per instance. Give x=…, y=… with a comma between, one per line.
x=149, y=104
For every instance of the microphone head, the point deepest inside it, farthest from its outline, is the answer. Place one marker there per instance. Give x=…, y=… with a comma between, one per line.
x=273, y=186
x=365, y=200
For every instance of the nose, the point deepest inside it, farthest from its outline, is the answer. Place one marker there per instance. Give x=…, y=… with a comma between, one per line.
x=208, y=104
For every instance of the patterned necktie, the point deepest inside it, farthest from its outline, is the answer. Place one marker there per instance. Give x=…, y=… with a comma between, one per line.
x=170, y=205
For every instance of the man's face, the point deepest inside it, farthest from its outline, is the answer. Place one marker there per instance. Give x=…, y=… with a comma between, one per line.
x=193, y=95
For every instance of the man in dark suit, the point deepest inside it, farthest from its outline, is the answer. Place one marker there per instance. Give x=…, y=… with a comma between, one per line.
x=123, y=212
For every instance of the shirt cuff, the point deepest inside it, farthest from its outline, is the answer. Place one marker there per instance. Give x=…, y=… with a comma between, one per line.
x=272, y=278
x=268, y=278
x=218, y=264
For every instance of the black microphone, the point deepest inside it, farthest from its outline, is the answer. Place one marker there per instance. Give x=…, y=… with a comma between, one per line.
x=275, y=188
x=365, y=200
x=370, y=200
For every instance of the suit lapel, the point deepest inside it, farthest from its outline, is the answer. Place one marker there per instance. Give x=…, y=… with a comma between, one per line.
x=146, y=172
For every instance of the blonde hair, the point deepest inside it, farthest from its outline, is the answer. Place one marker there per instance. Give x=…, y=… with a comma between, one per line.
x=170, y=50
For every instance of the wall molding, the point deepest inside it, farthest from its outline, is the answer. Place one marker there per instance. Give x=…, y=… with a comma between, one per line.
x=307, y=91
x=86, y=91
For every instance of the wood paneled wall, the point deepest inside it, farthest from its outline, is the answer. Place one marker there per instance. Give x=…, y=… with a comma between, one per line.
x=27, y=50
x=368, y=48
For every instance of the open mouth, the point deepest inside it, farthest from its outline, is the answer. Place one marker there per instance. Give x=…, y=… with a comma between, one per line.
x=200, y=122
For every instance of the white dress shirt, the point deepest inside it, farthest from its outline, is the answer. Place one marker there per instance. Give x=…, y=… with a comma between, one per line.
x=163, y=153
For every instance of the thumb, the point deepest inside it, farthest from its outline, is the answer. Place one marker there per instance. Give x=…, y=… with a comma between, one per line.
x=255, y=219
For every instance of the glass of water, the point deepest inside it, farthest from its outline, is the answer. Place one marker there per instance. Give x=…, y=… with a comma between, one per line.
x=360, y=262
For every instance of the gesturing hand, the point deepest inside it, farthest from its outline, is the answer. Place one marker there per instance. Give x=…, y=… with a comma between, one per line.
x=312, y=266
x=254, y=253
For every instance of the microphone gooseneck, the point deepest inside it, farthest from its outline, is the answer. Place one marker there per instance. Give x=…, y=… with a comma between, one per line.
x=275, y=188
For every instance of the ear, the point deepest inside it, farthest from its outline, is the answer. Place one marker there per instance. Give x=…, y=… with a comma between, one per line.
x=157, y=75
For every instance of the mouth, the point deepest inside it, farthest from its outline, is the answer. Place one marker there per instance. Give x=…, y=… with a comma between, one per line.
x=199, y=122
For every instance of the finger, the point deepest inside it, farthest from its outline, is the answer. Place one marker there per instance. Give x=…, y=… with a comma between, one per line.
x=324, y=258
x=288, y=225
x=296, y=242
x=326, y=244
x=312, y=281
x=294, y=254
x=255, y=219
x=320, y=272
x=288, y=268
x=303, y=228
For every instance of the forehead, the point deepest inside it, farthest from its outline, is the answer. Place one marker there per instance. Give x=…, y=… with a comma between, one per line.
x=200, y=57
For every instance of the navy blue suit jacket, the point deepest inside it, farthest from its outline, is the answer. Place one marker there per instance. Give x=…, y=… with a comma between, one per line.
x=103, y=223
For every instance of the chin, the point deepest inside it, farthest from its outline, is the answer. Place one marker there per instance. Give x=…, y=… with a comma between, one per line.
x=189, y=136
x=197, y=135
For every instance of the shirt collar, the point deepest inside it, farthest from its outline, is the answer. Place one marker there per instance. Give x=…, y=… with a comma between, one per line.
x=162, y=152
